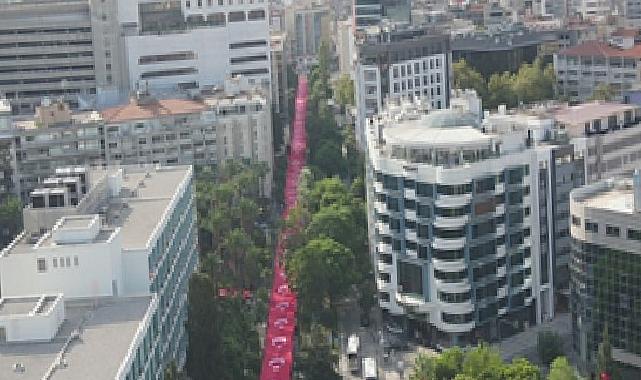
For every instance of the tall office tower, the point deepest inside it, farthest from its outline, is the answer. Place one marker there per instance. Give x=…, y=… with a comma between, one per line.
x=46, y=49
x=187, y=44
x=96, y=285
x=400, y=62
x=606, y=272
x=454, y=226
x=367, y=13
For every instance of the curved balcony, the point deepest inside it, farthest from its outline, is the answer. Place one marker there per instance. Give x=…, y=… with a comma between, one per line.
x=457, y=308
x=453, y=287
x=500, y=251
x=414, y=303
x=501, y=272
x=501, y=292
x=456, y=327
x=411, y=235
x=378, y=187
x=445, y=222
x=449, y=265
x=440, y=243
x=453, y=200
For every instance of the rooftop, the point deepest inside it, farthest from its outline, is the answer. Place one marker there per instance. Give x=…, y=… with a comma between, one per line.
x=618, y=198
x=142, y=110
x=583, y=113
x=414, y=133
x=107, y=327
x=601, y=49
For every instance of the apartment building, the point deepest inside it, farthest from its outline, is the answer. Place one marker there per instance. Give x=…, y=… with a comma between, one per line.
x=400, y=62
x=580, y=69
x=454, y=224
x=279, y=59
x=367, y=13
x=187, y=44
x=234, y=123
x=591, y=10
x=606, y=257
x=605, y=135
x=97, y=287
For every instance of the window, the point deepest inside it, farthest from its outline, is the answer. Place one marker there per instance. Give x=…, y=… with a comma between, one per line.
x=612, y=231
x=55, y=262
x=75, y=260
x=236, y=16
x=634, y=234
x=576, y=220
x=256, y=15
x=68, y=261
x=591, y=227
x=42, y=265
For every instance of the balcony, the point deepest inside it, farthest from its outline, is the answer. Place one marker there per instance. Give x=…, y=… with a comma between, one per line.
x=499, y=188
x=501, y=272
x=457, y=327
x=453, y=287
x=384, y=286
x=448, y=265
x=440, y=243
x=383, y=228
x=500, y=229
x=500, y=251
x=412, y=253
x=384, y=248
x=410, y=194
x=410, y=235
x=457, y=308
x=499, y=210
x=384, y=267
x=453, y=200
x=410, y=214
x=378, y=187
x=501, y=292
x=445, y=222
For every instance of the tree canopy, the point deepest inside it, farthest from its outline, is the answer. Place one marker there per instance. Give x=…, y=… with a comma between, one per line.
x=10, y=219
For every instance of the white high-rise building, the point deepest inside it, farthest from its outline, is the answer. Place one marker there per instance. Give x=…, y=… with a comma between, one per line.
x=96, y=285
x=454, y=224
x=188, y=44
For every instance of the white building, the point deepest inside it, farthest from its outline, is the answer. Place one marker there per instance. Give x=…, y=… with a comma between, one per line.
x=187, y=44
x=113, y=266
x=454, y=223
x=399, y=62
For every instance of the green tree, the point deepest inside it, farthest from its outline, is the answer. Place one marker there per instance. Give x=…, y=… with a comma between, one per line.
x=344, y=92
x=605, y=363
x=322, y=272
x=483, y=363
x=500, y=91
x=10, y=219
x=521, y=369
x=171, y=372
x=534, y=82
x=603, y=91
x=549, y=346
x=466, y=77
x=562, y=370
x=316, y=360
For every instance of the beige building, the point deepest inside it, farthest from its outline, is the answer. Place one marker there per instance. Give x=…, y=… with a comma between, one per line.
x=234, y=123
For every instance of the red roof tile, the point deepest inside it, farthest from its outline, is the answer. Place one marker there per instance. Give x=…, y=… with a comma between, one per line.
x=163, y=107
x=601, y=49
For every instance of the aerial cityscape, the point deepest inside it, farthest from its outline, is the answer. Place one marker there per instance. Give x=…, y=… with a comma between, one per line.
x=320, y=189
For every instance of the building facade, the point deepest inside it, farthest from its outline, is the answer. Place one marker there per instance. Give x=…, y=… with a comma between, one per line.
x=606, y=262
x=188, y=44
x=454, y=225
x=581, y=69
x=399, y=63
x=124, y=240
x=232, y=124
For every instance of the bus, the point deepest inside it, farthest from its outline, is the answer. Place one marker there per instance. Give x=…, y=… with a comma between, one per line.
x=353, y=344
x=370, y=371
